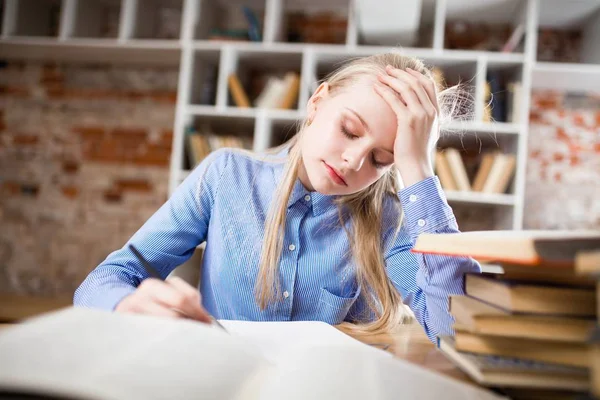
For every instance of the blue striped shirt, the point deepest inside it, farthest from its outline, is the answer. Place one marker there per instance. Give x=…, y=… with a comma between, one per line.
x=224, y=202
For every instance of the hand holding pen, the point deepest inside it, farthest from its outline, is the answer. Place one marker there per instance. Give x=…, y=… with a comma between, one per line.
x=173, y=297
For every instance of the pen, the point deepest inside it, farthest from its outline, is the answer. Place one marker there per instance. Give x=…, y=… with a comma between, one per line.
x=154, y=274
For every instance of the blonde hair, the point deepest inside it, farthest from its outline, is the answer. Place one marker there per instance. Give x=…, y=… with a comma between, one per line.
x=364, y=208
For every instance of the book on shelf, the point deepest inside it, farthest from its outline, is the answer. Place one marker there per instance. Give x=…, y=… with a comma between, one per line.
x=493, y=174
x=239, y=95
x=99, y=354
x=515, y=39
x=457, y=168
x=485, y=166
x=487, y=98
x=476, y=316
x=502, y=99
x=247, y=29
x=500, y=172
x=442, y=169
x=279, y=92
x=200, y=145
x=510, y=372
x=498, y=96
x=513, y=101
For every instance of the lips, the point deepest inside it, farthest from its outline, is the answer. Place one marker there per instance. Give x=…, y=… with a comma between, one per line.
x=335, y=175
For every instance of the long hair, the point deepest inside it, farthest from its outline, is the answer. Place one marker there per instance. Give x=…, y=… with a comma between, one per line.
x=364, y=209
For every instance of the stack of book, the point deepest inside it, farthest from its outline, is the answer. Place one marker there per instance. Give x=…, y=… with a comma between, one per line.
x=529, y=326
x=588, y=263
x=493, y=175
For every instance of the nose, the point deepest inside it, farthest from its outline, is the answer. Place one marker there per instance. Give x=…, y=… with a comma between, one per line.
x=354, y=157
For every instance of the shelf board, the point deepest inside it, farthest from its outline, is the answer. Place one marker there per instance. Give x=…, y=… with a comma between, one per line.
x=480, y=198
x=113, y=51
x=275, y=114
x=335, y=51
x=566, y=76
x=504, y=128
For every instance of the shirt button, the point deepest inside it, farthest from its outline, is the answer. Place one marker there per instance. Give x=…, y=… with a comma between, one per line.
x=421, y=222
x=413, y=198
x=307, y=198
x=292, y=247
x=286, y=294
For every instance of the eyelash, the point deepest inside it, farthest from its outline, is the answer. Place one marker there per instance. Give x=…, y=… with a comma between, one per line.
x=350, y=136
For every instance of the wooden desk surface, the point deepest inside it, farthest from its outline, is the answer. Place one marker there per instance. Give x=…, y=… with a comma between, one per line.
x=409, y=342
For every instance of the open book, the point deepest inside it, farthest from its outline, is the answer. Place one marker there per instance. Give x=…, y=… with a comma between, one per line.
x=91, y=354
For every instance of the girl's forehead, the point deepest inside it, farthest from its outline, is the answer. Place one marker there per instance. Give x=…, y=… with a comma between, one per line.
x=362, y=99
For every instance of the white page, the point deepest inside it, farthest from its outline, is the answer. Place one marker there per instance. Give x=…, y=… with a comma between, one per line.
x=349, y=372
x=92, y=354
x=274, y=338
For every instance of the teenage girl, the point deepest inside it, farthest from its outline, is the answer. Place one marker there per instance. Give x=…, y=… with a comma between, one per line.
x=318, y=229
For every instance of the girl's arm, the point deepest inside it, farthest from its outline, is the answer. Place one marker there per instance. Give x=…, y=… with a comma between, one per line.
x=425, y=281
x=166, y=240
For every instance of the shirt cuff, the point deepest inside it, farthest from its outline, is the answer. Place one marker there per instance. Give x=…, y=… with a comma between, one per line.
x=108, y=300
x=425, y=207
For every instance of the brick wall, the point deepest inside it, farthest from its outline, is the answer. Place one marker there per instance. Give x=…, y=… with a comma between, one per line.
x=563, y=169
x=84, y=153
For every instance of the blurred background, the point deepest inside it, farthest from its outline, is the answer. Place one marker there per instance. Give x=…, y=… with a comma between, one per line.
x=106, y=105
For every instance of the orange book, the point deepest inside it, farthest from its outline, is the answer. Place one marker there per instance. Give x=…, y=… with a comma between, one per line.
x=483, y=172
x=443, y=172
x=290, y=96
x=237, y=91
x=527, y=247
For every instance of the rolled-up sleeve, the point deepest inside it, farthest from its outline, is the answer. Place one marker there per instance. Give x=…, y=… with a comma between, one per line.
x=425, y=280
x=166, y=240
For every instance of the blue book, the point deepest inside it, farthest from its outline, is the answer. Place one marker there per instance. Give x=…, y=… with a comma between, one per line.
x=253, y=24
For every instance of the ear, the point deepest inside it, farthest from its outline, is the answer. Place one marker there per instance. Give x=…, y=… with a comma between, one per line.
x=321, y=93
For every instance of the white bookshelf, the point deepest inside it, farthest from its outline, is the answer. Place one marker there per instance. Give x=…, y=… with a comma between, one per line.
x=77, y=35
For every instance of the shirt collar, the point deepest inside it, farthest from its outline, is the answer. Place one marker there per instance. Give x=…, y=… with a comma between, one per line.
x=320, y=203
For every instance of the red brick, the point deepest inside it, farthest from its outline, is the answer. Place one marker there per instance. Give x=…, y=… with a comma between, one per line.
x=574, y=160
x=51, y=74
x=14, y=91
x=152, y=157
x=70, y=192
x=133, y=185
x=138, y=133
x=90, y=132
x=558, y=157
x=25, y=140
x=113, y=195
x=557, y=177
x=70, y=167
x=169, y=97
x=11, y=187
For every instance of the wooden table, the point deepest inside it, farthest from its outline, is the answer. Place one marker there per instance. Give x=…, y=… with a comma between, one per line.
x=408, y=342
